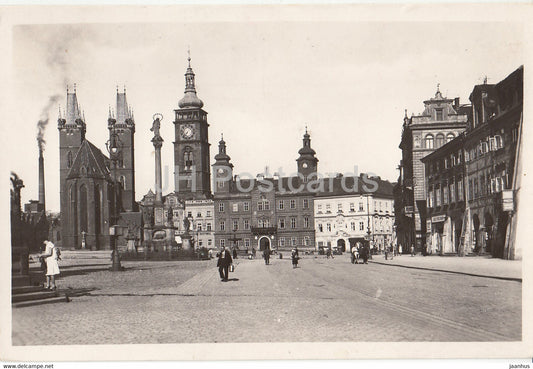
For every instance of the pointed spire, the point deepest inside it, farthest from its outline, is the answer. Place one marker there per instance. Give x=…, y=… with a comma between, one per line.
x=110, y=112
x=74, y=88
x=59, y=116
x=189, y=55
x=222, y=136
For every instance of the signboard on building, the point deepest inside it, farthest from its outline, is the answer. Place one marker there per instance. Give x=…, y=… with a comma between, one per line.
x=438, y=218
x=507, y=200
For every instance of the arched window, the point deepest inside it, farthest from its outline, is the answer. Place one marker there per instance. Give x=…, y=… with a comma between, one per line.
x=69, y=159
x=449, y=137
x=187, y=158
x=439, y=140
x=429, y=141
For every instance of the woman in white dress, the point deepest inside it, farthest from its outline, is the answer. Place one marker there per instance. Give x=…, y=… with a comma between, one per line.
x=52, y=267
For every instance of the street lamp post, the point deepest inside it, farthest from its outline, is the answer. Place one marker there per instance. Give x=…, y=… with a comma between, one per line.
x=113, y=146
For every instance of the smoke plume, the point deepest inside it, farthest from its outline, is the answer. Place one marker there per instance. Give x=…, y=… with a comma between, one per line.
x=43, y=121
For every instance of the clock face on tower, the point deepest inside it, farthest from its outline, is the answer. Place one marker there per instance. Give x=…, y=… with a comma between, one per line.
x=304, y=165
x=187, y=132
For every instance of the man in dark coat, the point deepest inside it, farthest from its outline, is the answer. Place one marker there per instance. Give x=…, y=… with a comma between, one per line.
x=224, y=261
x=266, y=255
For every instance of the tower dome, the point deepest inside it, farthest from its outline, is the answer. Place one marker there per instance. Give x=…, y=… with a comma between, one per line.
x=190, y=100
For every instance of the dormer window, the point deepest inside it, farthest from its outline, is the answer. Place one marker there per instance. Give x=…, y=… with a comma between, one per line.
x=438, y=114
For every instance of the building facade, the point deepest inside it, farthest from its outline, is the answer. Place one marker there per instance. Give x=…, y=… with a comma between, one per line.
x=442, y=120
x=345, y=215
x=445, y=173
x=472, y=180
x=490, y=158
x=265, y=212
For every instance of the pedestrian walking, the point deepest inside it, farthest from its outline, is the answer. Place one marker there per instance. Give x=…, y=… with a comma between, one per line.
x=355, y=255
x=234, y=253
x=266, y=256
x=294, y=257
x=51, y=256
x=224, y=261
x=364, y=254
x=412, y=250
x=328, y=253
x=400, y=249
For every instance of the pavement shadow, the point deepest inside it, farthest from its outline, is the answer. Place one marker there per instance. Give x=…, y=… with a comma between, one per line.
x=81, y=271
x=233, y=279
x=77, y=292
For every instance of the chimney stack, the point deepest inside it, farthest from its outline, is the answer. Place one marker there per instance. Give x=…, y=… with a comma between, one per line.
x=41, y=179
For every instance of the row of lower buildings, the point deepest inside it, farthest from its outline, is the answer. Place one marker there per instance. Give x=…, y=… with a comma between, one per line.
x=210, y=206
x=459, y=181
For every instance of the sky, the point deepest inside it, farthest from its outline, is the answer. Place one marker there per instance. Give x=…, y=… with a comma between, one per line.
x=262, y=83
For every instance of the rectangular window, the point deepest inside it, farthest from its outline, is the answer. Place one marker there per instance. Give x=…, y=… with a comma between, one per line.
x=266, y=205
x=281, y=223
x=460, y=190
x=221, y=207
x=246, y=224
x=246, y=206
x=320, y=228
x=208, y=213
x=361, y=226
x=293, y=204
x=445, y=194
x=328, y=227
x=282, y=241
x=361, y=207
x=352, y=206
x=198, y=215
x=293, y=223
x=352, y=226
x=319, y=207
x=339, y=206
x=294, y=241
x=235, y=207
x=306, y=222
x=266, y=223
x=246, y=242
x=222, y=225
x=235, y=224
x=189, y=214
x=328, y=208
x=305, y=203
x=208, y=226
x=260, y=223
x=209, y=242
x=281, y=204
x=199, y=226
x=260, y=205
x=452, y=193
x=222, y=243
x=307, y=241
x=438, y=196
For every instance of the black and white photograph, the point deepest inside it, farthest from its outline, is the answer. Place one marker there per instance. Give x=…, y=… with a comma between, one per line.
x=260, y=182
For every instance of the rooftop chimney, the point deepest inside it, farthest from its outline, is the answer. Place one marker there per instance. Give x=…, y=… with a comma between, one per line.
x=41, y=179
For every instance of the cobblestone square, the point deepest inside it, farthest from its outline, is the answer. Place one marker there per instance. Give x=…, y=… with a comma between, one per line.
x=321, y=300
